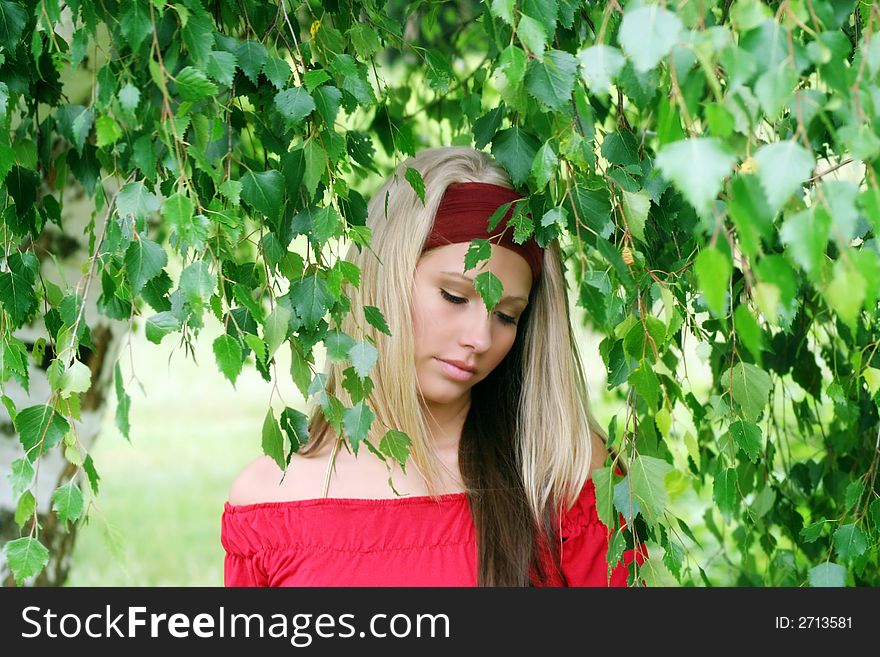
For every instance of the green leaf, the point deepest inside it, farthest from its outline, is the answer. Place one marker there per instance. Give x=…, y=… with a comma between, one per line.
x=544, y=165
x=327, y=99
x=338, y=344
x=846, y=291
x=296, y=425
x=67, y=501
x=198, y=32
x=489, y=287
x=352, y=79
x=160, y=325
x=827, y=574
x=107, y=131
x=515, y=150
x=77, y=378
x=810, y=533
x=135, y=200
x=4, y=100
x=26, y=556
x=257, y=345
x=624, y=501
x=356, y=422
x=635, y=208
x=17, y=297
x=311, y=298
x=365, y=41
x=316, y=165
x=376, y=319
x=713, y=274
x=486, y=126
x=221, y=65
x=277, y=71
x=231, y=189
x=135, y=23
x=849, y=541
x=414, y=178
x=197, y=283
x=437, y=71
x=325, y=224
x=557, y=216
x=646, y=384
x=194, y=85
x=299, y=370
x=178, y=209
x=273, y=440
x=748, y=330
x=7, y=159
x=724, y=491
x=144, y=259
x=782, y=167
x=854, y=493
x=599, y=66
x=24, y=510
x=251, y=56
x=603, y=484
x=264, y=191
x=648, y=34
x=748, y=436
x=751, y=388
x=315, y=78
x=40, y=428
x=532, y=34
x=774, y=89
x=551, y=81
x=396, y=445
x=697, y=168
x=503, y=9
x=806, y=235
x=646, y=476
x=21, y=476
x=227, y=351
x=276, y=328
x=129, y=97
x=363, y=358
x=763, y=502
x=295, y=104
x=123, y=403
x=75, y=123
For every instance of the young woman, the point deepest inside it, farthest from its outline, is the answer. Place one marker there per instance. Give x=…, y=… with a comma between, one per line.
x=497, y=490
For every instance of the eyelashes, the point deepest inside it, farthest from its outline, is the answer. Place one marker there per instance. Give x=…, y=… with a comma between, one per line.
x=505, y=319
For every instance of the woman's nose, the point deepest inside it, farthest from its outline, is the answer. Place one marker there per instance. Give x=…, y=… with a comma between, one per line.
x=476, y=329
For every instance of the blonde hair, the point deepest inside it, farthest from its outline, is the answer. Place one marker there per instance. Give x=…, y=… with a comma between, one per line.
x=553, y=420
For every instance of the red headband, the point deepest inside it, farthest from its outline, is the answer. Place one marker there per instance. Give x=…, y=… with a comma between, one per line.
x=463, y=215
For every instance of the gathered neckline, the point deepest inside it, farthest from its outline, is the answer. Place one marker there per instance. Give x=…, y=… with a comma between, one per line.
x=351, y=501
x=355, y=501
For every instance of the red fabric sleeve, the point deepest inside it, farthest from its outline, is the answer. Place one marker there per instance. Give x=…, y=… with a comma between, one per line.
x=584, y=548
x=239, y=570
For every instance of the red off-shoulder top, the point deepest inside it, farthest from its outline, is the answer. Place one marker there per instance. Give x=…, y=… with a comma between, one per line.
x=407, y=541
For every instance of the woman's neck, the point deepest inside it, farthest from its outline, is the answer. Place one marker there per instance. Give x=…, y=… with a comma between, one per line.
x=445, y=424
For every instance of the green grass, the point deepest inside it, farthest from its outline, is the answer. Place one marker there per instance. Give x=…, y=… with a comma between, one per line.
x=156, y=520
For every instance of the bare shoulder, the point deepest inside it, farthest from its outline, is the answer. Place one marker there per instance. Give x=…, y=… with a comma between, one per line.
x=254, y=482
x=262, y=480
x=600, y=452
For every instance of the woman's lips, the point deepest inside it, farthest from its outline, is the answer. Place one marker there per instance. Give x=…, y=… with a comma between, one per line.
x=455, y=372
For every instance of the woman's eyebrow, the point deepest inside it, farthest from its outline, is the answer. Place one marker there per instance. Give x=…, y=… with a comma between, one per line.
x=471, y=281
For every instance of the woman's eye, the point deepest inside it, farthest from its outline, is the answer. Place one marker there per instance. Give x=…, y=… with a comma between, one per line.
x=451, y=298
x=506, y=319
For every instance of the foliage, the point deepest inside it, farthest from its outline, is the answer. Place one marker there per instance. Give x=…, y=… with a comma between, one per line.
x=710, y=167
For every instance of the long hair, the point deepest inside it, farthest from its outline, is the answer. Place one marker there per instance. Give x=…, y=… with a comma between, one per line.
x=525, y=450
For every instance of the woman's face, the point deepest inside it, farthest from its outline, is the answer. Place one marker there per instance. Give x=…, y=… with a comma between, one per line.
x=450, y=321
